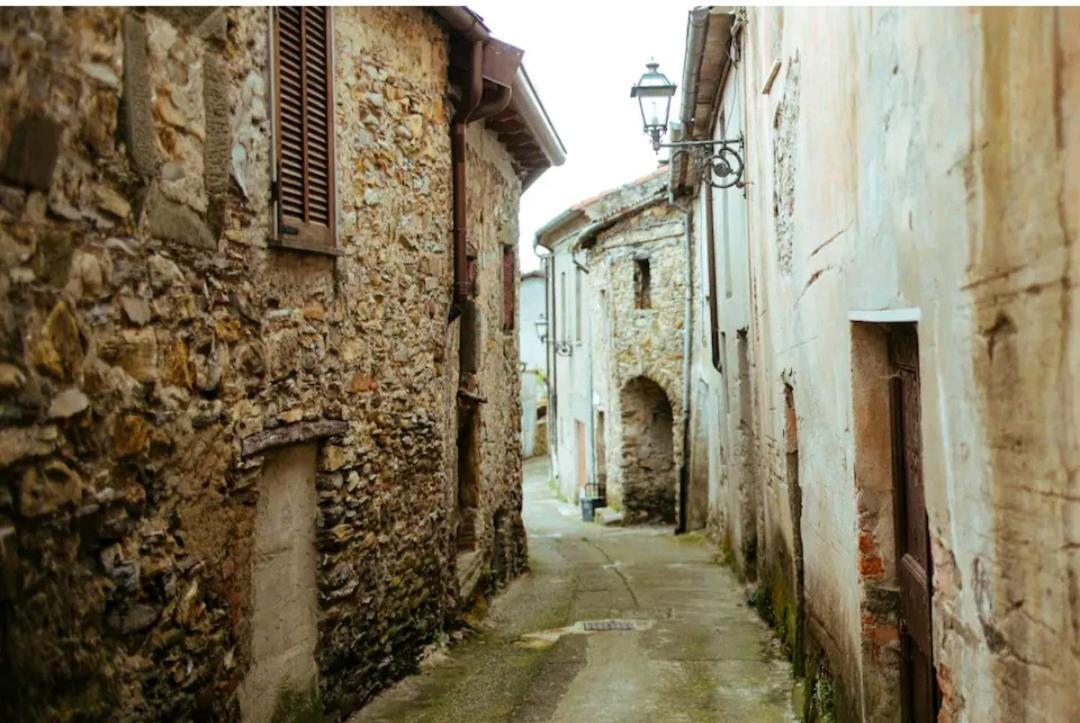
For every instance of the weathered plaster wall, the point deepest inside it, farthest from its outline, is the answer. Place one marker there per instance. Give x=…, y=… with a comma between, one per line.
x=629, y=342
x=574, y=397
x=534, y=380
x=150, y=337
x=725, y=488
x=876, y=182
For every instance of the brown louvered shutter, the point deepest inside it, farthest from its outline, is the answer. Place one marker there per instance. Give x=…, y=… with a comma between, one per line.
x=509, y=274
x=305, y=125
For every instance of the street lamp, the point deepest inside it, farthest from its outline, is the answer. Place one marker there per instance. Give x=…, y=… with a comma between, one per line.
x=541, y=328
x=654, y=92
x=717, y=159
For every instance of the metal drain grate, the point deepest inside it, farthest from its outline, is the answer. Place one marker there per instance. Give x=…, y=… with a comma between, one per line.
x=609, y=625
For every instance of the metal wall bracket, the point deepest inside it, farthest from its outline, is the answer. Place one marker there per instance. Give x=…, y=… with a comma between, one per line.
x=717, y=161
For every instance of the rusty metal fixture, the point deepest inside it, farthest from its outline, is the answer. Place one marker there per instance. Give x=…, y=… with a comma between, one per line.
x=523, y=125
x=469, y=102
x=470, y=399
x=489, y=73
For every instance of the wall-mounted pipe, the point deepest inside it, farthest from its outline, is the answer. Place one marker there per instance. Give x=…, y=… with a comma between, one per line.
x=470, y=100
x=465, y=22
x=494, y=105
x=525, y=102
x=688, y=307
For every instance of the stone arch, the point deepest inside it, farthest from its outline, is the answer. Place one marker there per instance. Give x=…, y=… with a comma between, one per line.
x=648, y=452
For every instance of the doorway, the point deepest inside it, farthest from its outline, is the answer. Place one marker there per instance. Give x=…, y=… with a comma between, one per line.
x=648, y=462
x=582, y=466
x=791, y=458
x=895, y=570
x=285, y=606
x=600, y=450
x=468, y=477
x=918, y=681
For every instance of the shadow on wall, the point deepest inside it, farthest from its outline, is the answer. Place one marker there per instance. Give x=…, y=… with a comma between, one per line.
x=648, y=463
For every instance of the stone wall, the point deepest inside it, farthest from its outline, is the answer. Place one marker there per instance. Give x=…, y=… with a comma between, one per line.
x=493, y=192
x=155, y=350
x=629, y=343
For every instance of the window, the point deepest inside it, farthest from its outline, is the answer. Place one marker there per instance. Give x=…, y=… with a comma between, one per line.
x=642, y=282
x=579, y=302
x=304, y=121
x=509, y=272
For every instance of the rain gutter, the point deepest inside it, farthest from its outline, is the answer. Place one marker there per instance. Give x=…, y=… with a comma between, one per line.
x=588, y=234
x=706, y=66
x=696, y=29
x=524, y=101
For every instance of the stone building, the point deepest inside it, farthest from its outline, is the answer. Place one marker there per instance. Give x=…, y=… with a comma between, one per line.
x=258, y=352
x=618, y=343
x=885, y=348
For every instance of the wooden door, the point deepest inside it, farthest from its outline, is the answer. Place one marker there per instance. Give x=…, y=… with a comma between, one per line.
x=912, y=533
x=581, y=474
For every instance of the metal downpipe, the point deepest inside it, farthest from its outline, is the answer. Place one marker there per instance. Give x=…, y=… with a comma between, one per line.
x=688, y=300
x=462, y=116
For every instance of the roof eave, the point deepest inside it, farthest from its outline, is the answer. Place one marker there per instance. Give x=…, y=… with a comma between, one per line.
x=708, y=35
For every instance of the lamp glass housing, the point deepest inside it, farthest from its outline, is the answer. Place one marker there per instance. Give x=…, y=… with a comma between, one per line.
x=654, y=92
x=541, y=327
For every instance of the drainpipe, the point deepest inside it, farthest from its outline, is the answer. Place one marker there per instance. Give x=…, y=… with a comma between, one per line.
x=469, y=103
x=472, y=109
x=688, y=302
x=548, y=260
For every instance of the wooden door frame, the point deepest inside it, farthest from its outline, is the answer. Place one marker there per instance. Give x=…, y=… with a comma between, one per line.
x=898, y=412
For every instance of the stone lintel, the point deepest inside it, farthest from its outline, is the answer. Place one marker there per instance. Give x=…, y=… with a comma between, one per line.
x=291, y=434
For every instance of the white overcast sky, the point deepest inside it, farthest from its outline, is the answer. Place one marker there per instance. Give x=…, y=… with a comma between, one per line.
x=583, y=57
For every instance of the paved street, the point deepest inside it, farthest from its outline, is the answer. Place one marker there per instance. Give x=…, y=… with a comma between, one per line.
x=695, y=652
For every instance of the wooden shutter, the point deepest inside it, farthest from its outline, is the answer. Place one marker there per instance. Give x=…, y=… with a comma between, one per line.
x=303, y=43
x=509, y=272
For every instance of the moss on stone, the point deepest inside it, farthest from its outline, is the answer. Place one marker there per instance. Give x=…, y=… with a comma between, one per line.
x=298, y=707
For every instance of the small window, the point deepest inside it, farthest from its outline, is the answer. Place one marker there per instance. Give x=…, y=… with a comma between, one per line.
x=509, y=272
x=642, y=283
x=304, y=124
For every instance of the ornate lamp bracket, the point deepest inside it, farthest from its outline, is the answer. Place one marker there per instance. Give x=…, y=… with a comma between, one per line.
x=718, y=161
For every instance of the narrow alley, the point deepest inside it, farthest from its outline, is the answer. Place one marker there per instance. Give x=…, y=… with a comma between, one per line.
x=681, y=643
x=522, y=362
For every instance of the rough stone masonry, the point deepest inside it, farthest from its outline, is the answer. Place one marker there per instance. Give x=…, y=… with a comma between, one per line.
x=155, y=353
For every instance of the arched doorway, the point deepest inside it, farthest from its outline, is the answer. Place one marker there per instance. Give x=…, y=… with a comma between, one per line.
x=648, y=462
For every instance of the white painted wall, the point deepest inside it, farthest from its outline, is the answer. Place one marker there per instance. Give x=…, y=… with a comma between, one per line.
x=533, y=353
x=531, y=308
x=573, y=363
x=933, y=158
